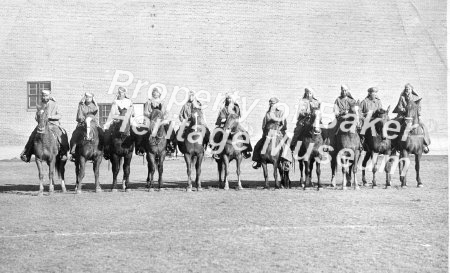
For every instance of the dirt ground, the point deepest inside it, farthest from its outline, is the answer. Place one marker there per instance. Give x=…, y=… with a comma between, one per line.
x=394, y=230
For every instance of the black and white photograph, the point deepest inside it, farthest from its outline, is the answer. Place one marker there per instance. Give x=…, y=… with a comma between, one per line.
x=224, y=136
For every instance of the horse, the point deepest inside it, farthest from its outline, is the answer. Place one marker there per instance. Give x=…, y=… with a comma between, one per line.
x=192, y=142
x=89, y=149
x=268, y=157
x=377, y=144
x=156, y=144
x=46, y=148
x=231, y=150
x=312, y=134
x=348, y=146
x=413, y=144
x=121, y=145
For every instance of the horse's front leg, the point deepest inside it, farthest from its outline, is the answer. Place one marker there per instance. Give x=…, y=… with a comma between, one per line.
x=81, y=171
x=198, y=172
x=219, y=169
x=388, y=169
x=126, y=171
x=187, y=159
x=162, y=156
x=308, y=175
x=419, y=181
x=226, y=166
x=364, y=166
x=275, y=174
x=41, y=177
x=266, y=175
x=333, y=170
x=151, y=170
x=374, y=169
x=403, y=168
x=115, y=162
x=51, y=174
x=96, y=167
x=318, y=171
x=354, y=168
x=302, y=180
x=62, y=170
x=238, y=171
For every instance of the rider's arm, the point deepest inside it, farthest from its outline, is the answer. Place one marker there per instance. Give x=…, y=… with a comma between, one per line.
x=54, y=115
x=80, y=115
x=147, y=109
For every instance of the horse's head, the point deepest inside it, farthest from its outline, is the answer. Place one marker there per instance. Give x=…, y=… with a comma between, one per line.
x=316, y=117
x=383, y=116
x=196, y=119
x=231, y=122
x=157, y=118
x=412, y=112
x=354, y=111
x=42, y=119
x=89, y=124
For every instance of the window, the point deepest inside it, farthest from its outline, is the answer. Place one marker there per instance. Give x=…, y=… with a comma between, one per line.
x=104, y=109
x=34, y=93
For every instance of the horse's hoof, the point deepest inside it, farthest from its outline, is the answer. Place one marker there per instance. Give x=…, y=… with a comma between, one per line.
x=127, y=190
x=344, y=188
x=114, y=190
x=226, y=188
x=404, y=187
x=239, y=188
x=151, y=189
x=98, y=190
x=189, y=189
x=199, y=189
x=387, y=187
x=319, y=188
x=266, y=188
x=40, y=193
x=420, y=185
x=374, y=186
x=357, y=188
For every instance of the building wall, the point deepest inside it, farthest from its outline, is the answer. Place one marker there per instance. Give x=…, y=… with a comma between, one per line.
x=259, y=48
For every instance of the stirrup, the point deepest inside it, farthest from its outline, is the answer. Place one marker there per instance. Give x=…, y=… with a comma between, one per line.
x=216, y=156
x=426, y=150
x=246, y=154
x=72, y=157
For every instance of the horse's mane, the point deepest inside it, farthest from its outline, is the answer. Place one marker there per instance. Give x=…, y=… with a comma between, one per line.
x=200, y=119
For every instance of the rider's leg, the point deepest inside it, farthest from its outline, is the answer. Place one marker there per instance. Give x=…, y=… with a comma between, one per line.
x=257, y=153
x=25, y=155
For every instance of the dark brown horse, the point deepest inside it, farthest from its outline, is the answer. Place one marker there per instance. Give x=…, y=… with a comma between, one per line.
x=274, y=139
x=348, y=146
x=121, y=145
x=192, y=143
x=89, y=149
x=46, y=148
x=156, y=144
x=231, y=150
x=308, y=152
x=377, y=144
x=410, y=141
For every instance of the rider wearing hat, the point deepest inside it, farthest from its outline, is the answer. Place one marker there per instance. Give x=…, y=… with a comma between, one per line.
x=48, y=103
x=406, y=96
x=273, y=114
x=308, y=104
x=86, y=108
x=230, y=107
x=368, y=106
x=121, y=103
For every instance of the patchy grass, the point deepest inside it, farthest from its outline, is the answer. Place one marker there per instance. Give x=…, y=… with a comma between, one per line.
x=251, y=230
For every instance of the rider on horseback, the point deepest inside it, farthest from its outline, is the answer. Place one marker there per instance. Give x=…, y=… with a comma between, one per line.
x=229, y=107
x=86, y=108
x=152, y=103
x=342, y=106
x=121, y=103
x=186, y=114
x=54, y=116
x=406, y=96
x=368, y=106
x=308, y=104
x=273, y=115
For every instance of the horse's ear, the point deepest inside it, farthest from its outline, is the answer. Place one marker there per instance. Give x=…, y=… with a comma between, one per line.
x=418, y=101
x=389, y=108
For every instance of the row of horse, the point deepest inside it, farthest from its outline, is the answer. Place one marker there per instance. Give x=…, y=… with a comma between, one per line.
x=194, y=139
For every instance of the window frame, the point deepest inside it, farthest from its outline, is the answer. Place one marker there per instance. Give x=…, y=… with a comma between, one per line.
x=37, y=95
x=100, y=113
